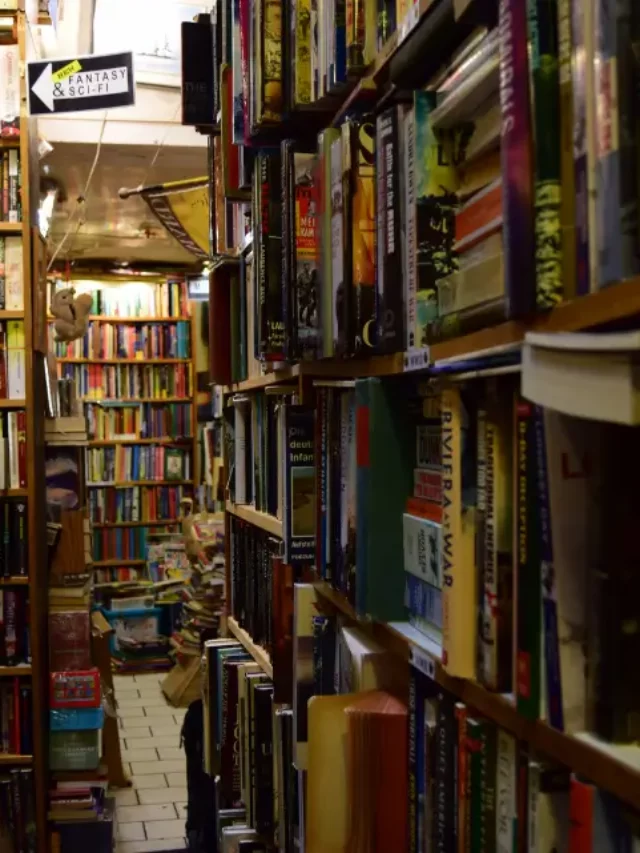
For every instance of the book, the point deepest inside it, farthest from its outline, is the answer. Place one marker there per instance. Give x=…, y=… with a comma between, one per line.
x=299, y=486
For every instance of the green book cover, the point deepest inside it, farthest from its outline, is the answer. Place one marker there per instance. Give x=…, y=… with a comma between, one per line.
x=385, y=448
x=543, y=42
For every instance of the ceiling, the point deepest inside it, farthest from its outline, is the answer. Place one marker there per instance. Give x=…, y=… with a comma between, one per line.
x=111, y=228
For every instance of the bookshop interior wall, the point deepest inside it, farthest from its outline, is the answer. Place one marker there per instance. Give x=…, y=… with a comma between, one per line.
x=319, y=412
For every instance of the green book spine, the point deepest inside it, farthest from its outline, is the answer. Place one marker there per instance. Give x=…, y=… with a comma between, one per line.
x=567, y=164
x=543, y=40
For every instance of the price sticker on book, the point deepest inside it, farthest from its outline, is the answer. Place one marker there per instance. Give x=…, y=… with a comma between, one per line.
x=417, y=359
x=424, y=662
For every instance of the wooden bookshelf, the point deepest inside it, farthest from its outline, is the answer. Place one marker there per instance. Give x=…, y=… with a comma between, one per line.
x=262, y=520
x=16, y=580
x=102, y=318
x=6, y=671
x=7, y=760
x=100, y=564
x=11, y=315
x=259, y=654
x=12, y=404
x=159, y=400
x=8, y=228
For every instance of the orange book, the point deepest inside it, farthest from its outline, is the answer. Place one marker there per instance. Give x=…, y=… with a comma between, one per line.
x=480, y=216
x=425, y=509
x=581, y=812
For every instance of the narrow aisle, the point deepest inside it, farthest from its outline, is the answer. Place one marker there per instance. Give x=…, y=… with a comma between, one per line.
x=151, y=815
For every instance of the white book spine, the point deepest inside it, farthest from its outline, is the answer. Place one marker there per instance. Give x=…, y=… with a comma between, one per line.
x=410, y=252
x=422, y=540
x=240, y=452
x=506, y=792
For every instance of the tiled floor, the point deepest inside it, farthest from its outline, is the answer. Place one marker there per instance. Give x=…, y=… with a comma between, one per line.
x=151, y=814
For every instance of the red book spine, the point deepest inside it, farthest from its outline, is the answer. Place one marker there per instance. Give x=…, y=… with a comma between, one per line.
x=581, y=813
x=22, y=448
x=219, y=327
x=15, y=735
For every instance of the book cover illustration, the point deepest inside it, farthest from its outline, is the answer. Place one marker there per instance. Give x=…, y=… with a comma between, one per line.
x=272, y=61
x=307, y=272
x=363, y=222
x=302, y=53
x=173, y=464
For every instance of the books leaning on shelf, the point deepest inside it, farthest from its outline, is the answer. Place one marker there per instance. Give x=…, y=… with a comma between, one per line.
x=16, y=715
x=122, y=464
x=12, y=360
x=13, y=449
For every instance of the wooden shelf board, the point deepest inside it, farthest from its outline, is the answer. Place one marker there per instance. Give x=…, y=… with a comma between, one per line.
x=16, y=580
x=6, y=403
x=259, y=655
x=101, y=318
x=10, y=227
x=262, y=520
x=14, y=670
x=100, y=564
x=106, y=442
x=70, y=360
x=130, y=483
x=14, y=493
x=155, y=523
x=11, y=315
x=604, y=764
x=15, y=759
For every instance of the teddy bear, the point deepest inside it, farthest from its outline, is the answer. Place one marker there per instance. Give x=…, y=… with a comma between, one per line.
x=71, y=314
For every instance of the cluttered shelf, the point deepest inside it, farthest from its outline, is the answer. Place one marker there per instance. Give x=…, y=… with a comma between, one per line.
x=615, y=303
x=612, y=767
x=101, y=400
x=71, y=360
x=119, y=562
x=157, y=522
x=125, y=484
x=259, y=519
x=16, y=580
x=106, y=442
x=259, y=655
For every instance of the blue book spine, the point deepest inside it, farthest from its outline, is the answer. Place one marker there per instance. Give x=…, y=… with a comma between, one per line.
x=424, y=600
x=555, y=713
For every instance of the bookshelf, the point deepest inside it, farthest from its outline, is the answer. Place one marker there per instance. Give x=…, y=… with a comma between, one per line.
x=135, y=378
x=253, y=358
x=20, y=315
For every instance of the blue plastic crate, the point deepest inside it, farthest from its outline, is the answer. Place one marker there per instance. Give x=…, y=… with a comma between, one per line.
x=75, y=719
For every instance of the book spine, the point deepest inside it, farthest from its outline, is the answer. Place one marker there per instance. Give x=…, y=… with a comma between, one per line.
x=446, y=811
x=543, y=39
x=272, y=247
x=488, y=739
x=462, y=768
x=337, y=244
x=345, y=344
x=363, y=491
x=363, y=223
x=423, y=600
x=410, y=244
x=567, y=165
x=21, y=425
x=302, y=53
x=553, y=682
x=13, y=185
x=356, y=33
x=389, y=309
x=413, y=752
x=300, y=485
x=475, y=777
x=517, y=159
x=582, y=807
x=458, y=547
x=19, y=521
x=271, y=38
x=505, y=792
x=529, y=606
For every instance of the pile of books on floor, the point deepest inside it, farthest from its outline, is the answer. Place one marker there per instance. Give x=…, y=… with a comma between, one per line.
x=82, y=815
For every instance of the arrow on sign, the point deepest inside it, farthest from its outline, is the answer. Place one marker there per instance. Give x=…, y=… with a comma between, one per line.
x=88, y=83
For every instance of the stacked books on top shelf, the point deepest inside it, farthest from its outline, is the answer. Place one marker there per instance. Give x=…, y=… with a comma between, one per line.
x=158, y=300
x=11, y=186
x=135, y=340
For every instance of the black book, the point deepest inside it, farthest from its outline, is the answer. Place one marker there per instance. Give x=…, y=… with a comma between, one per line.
x=28, y=809
x=300, y=490
x=446, y=802
x=197, y=73
x=268, y=231
x=389, y=308
x=19, y=536
x=7, y=823
x=288, y=229
x=253, y=679
x=19, y=843
x=263, y=698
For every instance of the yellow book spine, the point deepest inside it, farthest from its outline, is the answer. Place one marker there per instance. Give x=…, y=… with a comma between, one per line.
x=302, y=63
x=459, y=595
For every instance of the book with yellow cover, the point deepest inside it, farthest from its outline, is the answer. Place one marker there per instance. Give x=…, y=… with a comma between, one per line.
x=301, y=65
x=459, y=588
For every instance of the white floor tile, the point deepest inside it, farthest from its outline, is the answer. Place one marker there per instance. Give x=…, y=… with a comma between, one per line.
x=150, y=846
x=132, y=714
x=162, y=795
x=159, y=714
x=141, y=754
x=130, y=831
x=150, y=678
x=134, y=814
x=141, y=768
x=119, y=680
x=170, y=753
x=133, y=740
x=155, y=701
x=125, y=690
x=177, y=779
x=179, y=718
x=169, y=729
x=125, y=797
x=165, y=829
x=181, y=808
x=134, y=728
x=151, y=781
x=125, y=702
